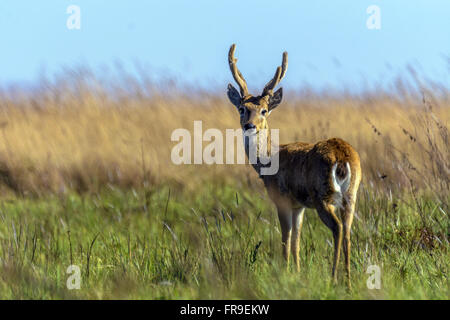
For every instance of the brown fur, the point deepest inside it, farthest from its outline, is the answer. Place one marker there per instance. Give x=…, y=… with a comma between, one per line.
x=304, y=179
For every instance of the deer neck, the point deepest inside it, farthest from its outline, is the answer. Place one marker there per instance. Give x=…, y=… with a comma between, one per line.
x=262, y=142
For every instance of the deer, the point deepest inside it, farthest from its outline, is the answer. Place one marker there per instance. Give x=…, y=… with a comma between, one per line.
x=324, y=176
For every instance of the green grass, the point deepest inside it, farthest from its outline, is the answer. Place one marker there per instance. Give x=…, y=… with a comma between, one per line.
x=222, y=242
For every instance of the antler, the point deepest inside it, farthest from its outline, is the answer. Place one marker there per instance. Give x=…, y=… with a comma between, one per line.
x=235, y=71
x=279, y=74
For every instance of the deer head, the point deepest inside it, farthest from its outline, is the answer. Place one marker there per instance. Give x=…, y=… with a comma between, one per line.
x=254, y=110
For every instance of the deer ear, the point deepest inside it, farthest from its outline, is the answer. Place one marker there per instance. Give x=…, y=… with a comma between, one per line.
x=275, y=99
x=234, y=95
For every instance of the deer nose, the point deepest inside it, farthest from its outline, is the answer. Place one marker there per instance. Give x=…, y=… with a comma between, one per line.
x=249, y=126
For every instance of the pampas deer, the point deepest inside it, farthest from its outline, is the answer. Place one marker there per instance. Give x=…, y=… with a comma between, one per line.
x=324, y=175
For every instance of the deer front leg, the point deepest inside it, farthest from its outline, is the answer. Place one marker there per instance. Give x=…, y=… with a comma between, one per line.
x=285, y=217
x=297, y=223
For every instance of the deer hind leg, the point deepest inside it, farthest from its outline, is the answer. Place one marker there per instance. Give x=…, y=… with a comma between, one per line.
x=285, y=217
x=297, y=223
x=328, y=216
x=348, y=212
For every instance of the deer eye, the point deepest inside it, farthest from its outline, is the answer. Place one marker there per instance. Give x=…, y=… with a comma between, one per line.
x=263, y=112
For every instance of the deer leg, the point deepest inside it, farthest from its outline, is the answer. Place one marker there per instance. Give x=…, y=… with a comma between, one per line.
x=328, y=216
x=297, y=223
x=284, y=215
x=349, y=210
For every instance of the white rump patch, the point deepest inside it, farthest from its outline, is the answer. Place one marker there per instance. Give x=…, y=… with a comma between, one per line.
x=340, y=186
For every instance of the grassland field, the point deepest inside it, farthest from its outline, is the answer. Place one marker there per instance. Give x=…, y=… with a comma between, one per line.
x=86, y=179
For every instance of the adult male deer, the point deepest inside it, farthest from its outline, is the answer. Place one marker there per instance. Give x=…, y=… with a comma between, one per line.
x=324, y=175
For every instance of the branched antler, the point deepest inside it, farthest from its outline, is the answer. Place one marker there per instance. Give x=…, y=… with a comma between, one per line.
x=235, y=71
x=279, y=74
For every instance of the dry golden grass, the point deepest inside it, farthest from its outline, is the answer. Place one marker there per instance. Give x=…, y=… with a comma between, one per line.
x=57, y=139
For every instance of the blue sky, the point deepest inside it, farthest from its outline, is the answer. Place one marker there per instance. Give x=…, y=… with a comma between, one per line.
x=328, y=41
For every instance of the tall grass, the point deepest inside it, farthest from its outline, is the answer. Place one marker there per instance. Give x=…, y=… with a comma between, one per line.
x=86, y=178
x=80, y=134
x=211, y=243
